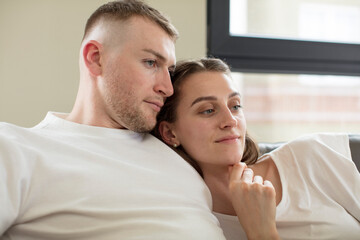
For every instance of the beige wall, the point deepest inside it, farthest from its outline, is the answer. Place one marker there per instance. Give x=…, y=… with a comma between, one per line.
x=39, y=47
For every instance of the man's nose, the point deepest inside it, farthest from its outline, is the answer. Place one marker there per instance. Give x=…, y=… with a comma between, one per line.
x=164, y=85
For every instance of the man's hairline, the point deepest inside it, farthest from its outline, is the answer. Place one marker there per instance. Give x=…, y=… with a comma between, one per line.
x=104, y=20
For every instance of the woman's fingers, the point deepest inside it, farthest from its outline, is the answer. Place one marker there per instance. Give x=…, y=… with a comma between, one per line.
x=258, y=179
x=253, y=199
x=237, y=171
x=241, y=173
x=268, y=183
x=248, y=175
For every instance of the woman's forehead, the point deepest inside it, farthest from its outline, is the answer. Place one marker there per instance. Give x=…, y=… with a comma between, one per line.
x=216, y=85
x=204, y=82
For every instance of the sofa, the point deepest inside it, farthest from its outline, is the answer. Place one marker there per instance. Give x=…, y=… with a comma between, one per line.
x=354, y=147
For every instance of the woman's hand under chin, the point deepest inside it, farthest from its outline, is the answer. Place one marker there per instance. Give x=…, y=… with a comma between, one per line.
x=254, y=202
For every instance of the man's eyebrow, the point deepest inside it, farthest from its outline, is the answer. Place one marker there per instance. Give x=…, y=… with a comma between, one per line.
x=234, y=94
x=212, y=98
x=159, y=56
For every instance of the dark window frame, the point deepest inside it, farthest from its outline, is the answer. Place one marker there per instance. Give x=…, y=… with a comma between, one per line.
x=270, y=55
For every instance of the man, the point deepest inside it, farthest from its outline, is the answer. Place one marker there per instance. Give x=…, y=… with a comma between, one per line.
x=95, y=173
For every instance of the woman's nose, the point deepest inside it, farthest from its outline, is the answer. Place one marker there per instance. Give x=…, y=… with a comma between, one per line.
x=228, y=120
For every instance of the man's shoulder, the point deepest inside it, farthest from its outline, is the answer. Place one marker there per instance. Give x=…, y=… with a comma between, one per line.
x=12, y=134
x=8, y=129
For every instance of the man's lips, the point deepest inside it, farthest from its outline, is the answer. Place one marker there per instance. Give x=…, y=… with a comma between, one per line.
x=228, y=139
x=156, y=105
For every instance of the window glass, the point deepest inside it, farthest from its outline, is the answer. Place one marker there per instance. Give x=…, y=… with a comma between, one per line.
x=280, y=107
x=314, y=20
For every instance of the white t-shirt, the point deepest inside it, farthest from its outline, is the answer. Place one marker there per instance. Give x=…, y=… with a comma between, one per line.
x=63, y=180
x=320, y=191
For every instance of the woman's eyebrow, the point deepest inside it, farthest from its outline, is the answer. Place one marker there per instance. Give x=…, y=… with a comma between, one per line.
x=207, y=98
x=212, y=98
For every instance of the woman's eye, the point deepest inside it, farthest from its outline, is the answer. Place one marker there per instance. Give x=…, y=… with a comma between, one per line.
x=208, y=111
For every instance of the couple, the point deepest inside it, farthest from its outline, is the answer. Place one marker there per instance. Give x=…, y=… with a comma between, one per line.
x=96, y=174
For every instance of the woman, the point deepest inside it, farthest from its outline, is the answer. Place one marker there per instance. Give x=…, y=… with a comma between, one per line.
x=311, y=183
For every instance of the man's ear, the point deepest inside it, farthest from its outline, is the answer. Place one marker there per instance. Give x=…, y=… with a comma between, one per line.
x=91, y=55
x=167, y=133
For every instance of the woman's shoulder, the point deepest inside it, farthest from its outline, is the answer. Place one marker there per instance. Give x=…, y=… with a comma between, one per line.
x=313, y=151
x=316, y=142
x=329, y=139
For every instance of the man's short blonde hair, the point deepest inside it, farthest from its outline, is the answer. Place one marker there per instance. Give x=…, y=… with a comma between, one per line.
x=125, y=9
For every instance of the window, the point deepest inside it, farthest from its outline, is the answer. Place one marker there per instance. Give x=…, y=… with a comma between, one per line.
x=254, y=41
x=297, y=63
x=280, y=107
x=333, y=21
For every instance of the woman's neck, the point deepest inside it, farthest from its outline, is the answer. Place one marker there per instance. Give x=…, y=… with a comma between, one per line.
x=218, y=183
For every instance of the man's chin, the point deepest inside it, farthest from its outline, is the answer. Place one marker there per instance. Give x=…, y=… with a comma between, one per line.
x=145, y=127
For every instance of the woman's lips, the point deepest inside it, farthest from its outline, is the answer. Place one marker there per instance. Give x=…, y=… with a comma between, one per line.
x=228, y=139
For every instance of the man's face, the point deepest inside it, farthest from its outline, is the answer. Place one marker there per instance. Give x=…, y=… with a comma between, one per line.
x=135, y=78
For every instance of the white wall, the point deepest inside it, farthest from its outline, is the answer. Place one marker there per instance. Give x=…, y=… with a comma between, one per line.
x=39, y=46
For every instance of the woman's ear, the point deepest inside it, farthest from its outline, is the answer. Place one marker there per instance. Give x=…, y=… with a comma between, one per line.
x=167, y=133
x=91, y=56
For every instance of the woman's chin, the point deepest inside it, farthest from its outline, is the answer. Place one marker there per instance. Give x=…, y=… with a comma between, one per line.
x=233, y=160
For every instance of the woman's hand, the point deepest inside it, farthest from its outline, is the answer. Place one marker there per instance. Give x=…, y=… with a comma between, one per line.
x=254, y=202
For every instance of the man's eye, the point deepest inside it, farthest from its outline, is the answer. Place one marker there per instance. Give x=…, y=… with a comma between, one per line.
x=151, y=63
x=237, y=107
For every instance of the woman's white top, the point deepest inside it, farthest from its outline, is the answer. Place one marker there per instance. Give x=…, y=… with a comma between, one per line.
x=320, y=191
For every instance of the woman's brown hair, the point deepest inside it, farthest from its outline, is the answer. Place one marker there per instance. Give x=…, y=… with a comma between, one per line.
x=183, y=70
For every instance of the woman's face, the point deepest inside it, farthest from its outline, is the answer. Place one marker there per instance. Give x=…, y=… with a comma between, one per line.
x=210, y=122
